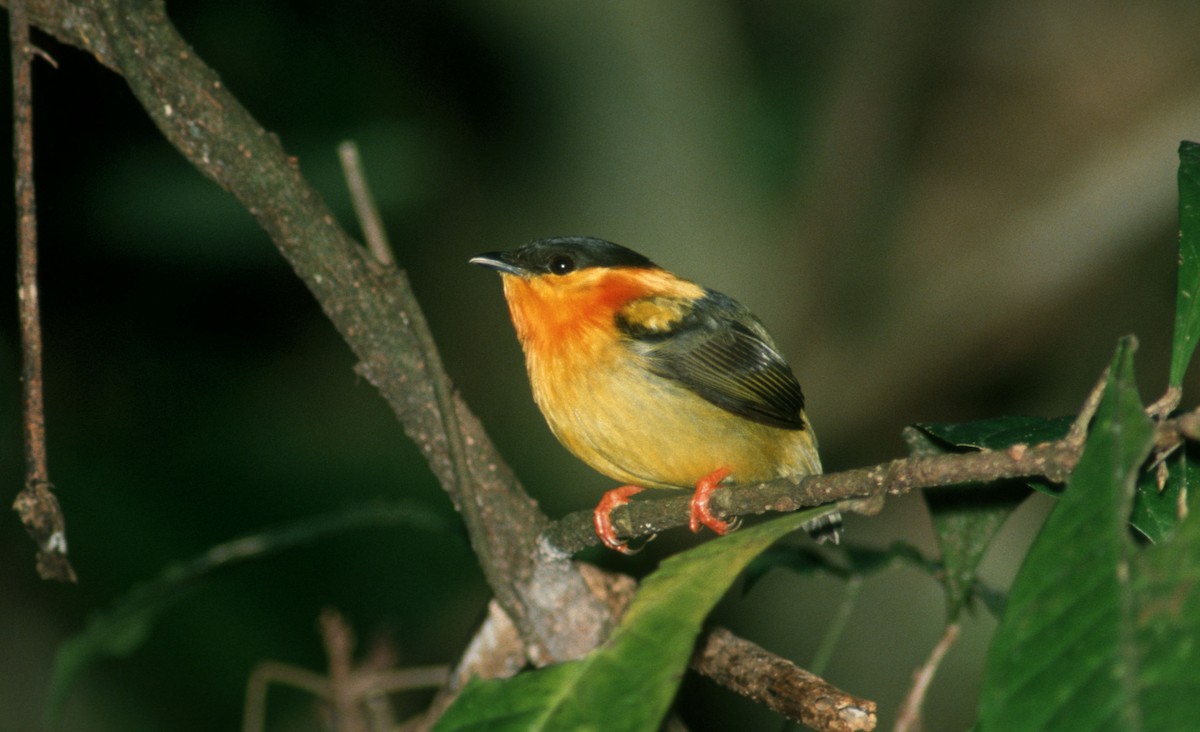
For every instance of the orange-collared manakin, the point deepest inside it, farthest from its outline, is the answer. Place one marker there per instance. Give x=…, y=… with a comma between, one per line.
x=653, y=380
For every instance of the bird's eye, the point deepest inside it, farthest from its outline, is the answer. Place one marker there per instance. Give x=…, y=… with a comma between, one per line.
x=562, y=264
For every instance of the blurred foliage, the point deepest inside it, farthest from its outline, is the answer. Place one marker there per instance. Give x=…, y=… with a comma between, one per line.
x=931, y=206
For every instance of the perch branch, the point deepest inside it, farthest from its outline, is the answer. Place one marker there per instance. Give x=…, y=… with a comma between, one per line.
x=36, y=504
x=1052, y=461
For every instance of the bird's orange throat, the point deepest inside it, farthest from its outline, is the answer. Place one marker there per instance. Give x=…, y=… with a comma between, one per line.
x=554, y=315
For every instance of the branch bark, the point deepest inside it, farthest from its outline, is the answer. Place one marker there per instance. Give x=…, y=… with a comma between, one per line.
x=853, y=489
x=780, y=685
x=371, y=305
x=36, y=504
x=1051, y=460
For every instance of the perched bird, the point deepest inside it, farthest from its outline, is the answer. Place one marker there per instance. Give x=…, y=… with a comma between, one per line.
x=650, y=379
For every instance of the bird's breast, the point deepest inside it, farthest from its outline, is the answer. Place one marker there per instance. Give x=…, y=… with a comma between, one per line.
x=609, y=410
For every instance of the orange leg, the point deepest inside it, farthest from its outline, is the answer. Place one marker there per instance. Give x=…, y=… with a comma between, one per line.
x=602, y=516
x=701, y=513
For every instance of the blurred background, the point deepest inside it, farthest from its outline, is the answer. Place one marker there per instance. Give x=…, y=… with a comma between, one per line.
x=943, y=211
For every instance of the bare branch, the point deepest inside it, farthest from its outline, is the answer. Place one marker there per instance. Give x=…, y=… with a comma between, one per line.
x=909, y=718
x=254, y=713
x=342, y=696
x=36, y=504
x=364, y=204
x=780, y=685
x=1052, y=461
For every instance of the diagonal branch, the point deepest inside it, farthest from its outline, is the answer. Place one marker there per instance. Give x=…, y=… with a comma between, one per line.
x=779, y=684
x=371, y=305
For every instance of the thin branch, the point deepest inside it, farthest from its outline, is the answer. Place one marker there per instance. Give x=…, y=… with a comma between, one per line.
x=339, y=650
x=354, y=692
x=36, y=504
x=364, y=204
x=254, y=713
x=1052, y=461
x=909, y=718
x=780, y=685
x=443, y=392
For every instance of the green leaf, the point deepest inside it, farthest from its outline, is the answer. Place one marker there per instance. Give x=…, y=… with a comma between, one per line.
x=992, y=434
x=1066, y=654
x=124, y=626
x=629, y=682
x=1166, y=612
x=998, y=433
x=1187, y=293
x=966, y=518
x=1156, y=513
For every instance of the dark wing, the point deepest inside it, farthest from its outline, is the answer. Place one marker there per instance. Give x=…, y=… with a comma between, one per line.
x=716, y=348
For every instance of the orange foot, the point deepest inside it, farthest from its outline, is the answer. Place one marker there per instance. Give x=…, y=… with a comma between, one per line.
x=701, y=513
x=602, y=516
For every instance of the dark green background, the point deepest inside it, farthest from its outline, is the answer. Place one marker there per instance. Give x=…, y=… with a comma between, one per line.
x=944, y=211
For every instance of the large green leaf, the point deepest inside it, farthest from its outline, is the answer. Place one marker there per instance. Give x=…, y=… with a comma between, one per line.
x=1187, y=294
x=1166, y=628
x=1097, y=636
x=629, y=682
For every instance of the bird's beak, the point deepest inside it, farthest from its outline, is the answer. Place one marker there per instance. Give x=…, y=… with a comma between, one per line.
x=499, y=261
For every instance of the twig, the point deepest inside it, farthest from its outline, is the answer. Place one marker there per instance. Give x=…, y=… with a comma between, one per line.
x=268, y=672
x=36, y=504
x=1165, y=404
x=365, y=209
x=1078, y=432
x=909, y=718
x=780, y=685
x=349, y=689
x=342, y=696
x=377, y=243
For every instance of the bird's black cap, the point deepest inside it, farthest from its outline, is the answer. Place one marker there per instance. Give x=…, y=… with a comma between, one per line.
x=562, y=255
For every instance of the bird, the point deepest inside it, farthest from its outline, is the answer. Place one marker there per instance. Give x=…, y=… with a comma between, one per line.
x=653, y=380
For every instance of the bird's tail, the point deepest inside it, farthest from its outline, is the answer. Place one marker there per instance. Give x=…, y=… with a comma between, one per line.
x=826, y=528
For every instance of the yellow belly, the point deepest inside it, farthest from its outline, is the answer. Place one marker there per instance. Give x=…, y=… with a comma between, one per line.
x=639, y=428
